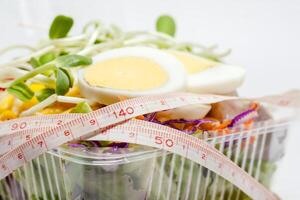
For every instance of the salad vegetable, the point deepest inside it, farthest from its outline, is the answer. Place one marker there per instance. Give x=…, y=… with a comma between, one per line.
x=166, y=24
x=21, y=91
x=60, y=27
x=46, y=82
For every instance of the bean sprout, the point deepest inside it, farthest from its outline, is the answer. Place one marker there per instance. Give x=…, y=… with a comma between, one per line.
x=97, y=38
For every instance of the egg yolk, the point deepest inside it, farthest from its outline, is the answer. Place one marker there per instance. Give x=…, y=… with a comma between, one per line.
x=193, y=64
x=126, y=73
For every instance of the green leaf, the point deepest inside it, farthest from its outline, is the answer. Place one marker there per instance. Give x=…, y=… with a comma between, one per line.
x=70, y=76
x=81, y=107
x=60, y=27
x=44, y=94
x=34, y=62
x=47, y=57
x=62, y=82
x=59, y=62
x=72, y=61
x=21, y=91
x=166, y=24
x=63, y=53
x=98, y=41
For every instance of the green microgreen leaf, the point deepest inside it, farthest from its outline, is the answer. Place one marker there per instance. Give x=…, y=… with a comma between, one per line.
x=98, y=41
x=63, y=53
x=34, y=62
x=81, y=107
x=59, y=62
x=72, y=61
x=62, y=82
x=21, y=91
x=70, y=76
x=60, y=27
x=166, y=24
x=44, y=94
x=47, y=57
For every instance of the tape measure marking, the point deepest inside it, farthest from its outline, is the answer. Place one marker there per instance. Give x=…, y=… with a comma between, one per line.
x=15, y=139
x=141, y=133
x=189, y=147
x=8, y=127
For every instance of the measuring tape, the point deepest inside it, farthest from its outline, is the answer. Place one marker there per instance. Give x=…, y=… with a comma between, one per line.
x=24, y=139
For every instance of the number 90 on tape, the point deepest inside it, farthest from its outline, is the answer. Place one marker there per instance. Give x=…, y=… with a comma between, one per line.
x=113, y=123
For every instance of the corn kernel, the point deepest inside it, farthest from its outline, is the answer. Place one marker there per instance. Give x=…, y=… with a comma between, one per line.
x=36, y=87
x=7, y=115
x=7, y=103
x=28, y=104
x=74, y=92
x=68, y=110
x=48, y=111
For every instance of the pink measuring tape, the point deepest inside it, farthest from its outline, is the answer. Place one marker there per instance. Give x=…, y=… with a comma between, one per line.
x=24, y=139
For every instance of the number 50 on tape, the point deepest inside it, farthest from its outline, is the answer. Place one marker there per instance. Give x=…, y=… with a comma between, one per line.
x=112, y=123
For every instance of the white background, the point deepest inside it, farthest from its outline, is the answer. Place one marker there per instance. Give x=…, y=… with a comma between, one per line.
x=264, y=36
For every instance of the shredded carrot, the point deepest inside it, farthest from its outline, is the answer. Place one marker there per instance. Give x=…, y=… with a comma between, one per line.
x=254, y=106
x=252, y=139
x=224, y=124
x=122, y=98
x=225, y=131
x=141, y=117
x=247, y=124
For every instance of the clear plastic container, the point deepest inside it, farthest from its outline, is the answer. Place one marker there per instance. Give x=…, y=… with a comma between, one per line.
x=146, y=173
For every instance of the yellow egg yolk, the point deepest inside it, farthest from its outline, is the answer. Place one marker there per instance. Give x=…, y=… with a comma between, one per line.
x=126, y=73
x=193, y=64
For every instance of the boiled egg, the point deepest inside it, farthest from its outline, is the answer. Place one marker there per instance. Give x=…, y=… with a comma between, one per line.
x=206, y=76
x=130, y=72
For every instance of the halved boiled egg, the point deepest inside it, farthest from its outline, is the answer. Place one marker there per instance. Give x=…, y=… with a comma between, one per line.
x=205, y=76
x=130, y=72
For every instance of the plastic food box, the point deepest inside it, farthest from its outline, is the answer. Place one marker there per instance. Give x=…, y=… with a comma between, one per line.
x=146, y=173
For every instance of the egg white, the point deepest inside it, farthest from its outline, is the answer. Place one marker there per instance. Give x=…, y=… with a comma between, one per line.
x=217, y=79
x=220, y=79
x=173, y=68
